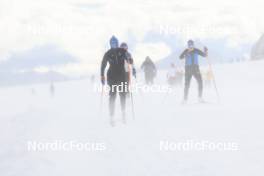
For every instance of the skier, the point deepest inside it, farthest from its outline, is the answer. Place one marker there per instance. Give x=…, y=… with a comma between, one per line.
x=116, y=77
x=174, y=76
x=52, y=89
x=129, y=63
x=149, y=69
x=33, y=92
x=192, y=68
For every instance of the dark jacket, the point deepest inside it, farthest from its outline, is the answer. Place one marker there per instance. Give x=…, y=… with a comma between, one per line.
x=149, y=67
x=116, y=59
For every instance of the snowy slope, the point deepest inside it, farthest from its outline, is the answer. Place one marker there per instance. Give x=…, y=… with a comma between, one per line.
x=134, y=149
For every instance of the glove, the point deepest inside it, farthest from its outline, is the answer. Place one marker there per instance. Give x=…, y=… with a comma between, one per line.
x=103, y=80
x=134, y=72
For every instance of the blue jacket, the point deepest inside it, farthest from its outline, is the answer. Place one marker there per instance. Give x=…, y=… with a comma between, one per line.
x=191, y=57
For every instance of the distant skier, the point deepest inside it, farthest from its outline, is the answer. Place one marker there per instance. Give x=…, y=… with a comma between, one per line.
x=174, y=76
x=129, y=64
x=192, y=68
x=52, y=89
x=116, y=77
x=150, y=70
x=33, y=92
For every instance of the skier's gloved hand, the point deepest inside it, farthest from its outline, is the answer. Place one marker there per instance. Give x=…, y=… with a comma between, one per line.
x=103, y=80
x=134, y=72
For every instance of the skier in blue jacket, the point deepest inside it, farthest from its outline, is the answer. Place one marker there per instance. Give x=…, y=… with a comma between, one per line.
x=191, y=55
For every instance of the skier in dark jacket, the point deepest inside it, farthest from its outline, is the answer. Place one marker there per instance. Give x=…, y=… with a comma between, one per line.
x=191, y=55
x=116, y=76
x=149, y=69
x=52, y=89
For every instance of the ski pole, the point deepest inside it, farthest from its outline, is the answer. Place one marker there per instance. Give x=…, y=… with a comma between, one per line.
x=213, y=77
x=131, y=94
x=132, y=102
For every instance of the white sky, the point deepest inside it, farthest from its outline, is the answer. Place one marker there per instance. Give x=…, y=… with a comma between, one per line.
x=83, y=27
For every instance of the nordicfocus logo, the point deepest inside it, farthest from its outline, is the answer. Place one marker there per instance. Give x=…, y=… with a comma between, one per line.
x=136, y=87
x=58, y=145
x=191, y=145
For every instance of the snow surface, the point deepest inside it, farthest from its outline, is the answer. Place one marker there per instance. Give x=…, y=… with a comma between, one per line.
x=134, y=149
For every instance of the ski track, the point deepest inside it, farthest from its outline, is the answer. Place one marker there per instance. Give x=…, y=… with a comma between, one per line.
x=134, y=149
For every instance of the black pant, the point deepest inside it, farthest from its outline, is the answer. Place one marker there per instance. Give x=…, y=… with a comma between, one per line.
x=190, y=71
x=114, y=89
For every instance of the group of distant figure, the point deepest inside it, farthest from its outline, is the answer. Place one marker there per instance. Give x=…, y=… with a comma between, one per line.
x=175, y=76
x=121, y=67
x=121, y=70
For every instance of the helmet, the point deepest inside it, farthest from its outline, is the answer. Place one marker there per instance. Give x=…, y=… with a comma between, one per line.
x=124, y=46
x=114, y=42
